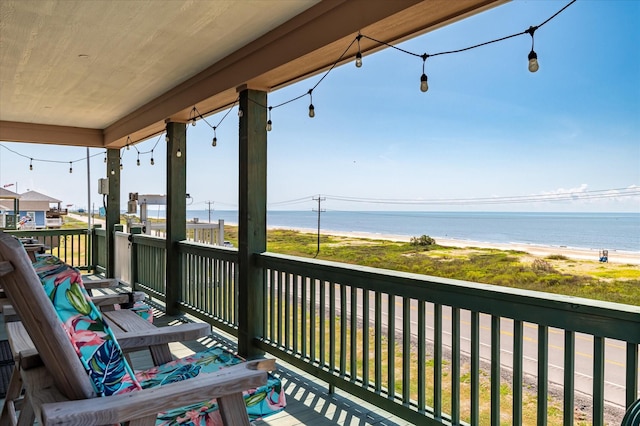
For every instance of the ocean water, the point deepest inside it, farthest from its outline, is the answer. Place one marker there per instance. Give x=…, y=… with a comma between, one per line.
x=612, y=231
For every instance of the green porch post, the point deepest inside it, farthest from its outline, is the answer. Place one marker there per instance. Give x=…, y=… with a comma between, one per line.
x=176, y=210
x=252, y=218
x=113, y=207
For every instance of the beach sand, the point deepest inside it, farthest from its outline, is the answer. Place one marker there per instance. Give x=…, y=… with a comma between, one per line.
x=624, y=257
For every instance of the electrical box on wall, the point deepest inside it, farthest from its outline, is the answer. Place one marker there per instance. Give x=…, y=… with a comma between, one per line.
x=103, y=186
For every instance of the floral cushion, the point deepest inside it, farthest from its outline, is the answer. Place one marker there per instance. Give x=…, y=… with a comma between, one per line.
x=110, y=373
x=91, y=337
x=260, y=402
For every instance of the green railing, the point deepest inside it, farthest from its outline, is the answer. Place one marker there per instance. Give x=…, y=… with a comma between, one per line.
x=148, y=265
x=209, y=276
x=332, y=320
x=70, y=245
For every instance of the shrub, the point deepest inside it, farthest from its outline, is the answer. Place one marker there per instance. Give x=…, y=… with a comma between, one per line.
x=557, y=257
x=542, y=266
x=422, y=241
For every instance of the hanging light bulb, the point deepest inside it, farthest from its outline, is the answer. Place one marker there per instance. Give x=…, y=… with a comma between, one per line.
x=269, y=123
x=192, y=116
x=105, y=156
x=533, y=61
x=533, y=57
x=193, y=123
x=312, y=111
x=138, y=160
x=359, y=60
x=127, y=147
x=128, y=142
x=166, y=137
x=424, y=86
x=214, y=142
x=113, y=172
x=240, y=113
x=179, y=153
x=70, y=167
x=152, y=162
x=121, y=166
x=31, y=164
x=359, y=54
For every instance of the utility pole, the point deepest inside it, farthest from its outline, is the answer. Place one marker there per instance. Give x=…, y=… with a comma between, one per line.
x=209, y=203
x=319, y=200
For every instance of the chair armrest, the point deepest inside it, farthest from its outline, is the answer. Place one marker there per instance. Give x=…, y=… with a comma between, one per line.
x=115, y=299
x=142, y=339
x=90, y=284
x=148, y=402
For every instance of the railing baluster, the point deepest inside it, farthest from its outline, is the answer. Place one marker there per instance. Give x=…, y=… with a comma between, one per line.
x=271, y=312
x=391, y=348
x=378, y=341
x=343, y=329
x=280, y=302
x=366, y=350
x=323, y=321
x=437, y=361
x=632, y=374
x=406, y=351
x=543, y=373
x=598, y=381
x=296, y=305
x=495, y=370
x=569, y=373
x=475, y=368
x=303, y=315
x=287, y=311
x=312, y=320
x=353, y=333
x=422, y=357
x=455, y=365
x=332, y=327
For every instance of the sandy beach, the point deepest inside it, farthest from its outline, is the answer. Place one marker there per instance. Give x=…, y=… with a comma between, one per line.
x=623, y=257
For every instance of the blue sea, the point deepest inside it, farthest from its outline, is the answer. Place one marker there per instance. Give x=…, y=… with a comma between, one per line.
x=612, y=231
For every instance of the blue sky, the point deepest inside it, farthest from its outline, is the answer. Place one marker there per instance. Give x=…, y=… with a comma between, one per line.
x=486, y=129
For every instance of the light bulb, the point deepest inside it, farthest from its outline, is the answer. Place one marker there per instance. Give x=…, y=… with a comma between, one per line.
x=358, y=59
x=193, y=123
x=214, y=142
x=533, y=61
x=179, y=153
x=240, y=113
x=113, y=172
x=105, y=158
x=166, y=138
x=121, y=166
x=31, y=164
x=152, y=162
x=312, y=111
x=269, y=126
x=138, y=161
x=127, y=147
x=70, y=167
x=423, y=83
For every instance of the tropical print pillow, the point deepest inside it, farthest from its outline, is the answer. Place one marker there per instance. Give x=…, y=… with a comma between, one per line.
x=91, y=337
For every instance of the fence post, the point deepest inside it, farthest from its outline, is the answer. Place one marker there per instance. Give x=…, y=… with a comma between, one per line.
x=94, y=249
x=133, y=266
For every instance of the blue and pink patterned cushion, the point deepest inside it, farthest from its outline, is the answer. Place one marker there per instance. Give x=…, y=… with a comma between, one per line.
x=110, y=373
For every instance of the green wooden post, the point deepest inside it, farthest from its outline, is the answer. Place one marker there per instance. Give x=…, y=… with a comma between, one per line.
x=113, y=207
x=133, y=267
x=252, y=218
x=176, y=210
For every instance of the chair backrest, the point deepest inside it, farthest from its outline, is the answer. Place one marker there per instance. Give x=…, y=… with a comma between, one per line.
x=75, y=344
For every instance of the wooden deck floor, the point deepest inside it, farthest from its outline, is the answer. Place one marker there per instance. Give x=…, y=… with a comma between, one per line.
x=308, y=400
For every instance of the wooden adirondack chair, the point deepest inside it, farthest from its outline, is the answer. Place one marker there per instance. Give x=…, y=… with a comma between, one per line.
x=64, y=389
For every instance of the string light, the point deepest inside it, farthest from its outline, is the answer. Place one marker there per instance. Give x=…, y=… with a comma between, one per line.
x=138, y=160
x=533, y=66
x=312, y=110
x=70, y=167
x=423, y=78
x=359, y=54
x=269, y=123
x=533, y=57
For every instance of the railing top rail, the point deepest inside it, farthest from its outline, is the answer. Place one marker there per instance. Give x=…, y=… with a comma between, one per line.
x=202, y=249
x=147, y=240
x=595, y=317
x=47, y=232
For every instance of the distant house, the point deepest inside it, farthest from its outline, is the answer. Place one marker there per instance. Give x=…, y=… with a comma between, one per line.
x=8, y=208
x=40, y=211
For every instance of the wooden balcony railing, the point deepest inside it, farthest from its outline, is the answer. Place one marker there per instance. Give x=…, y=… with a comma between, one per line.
x=430, y=350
